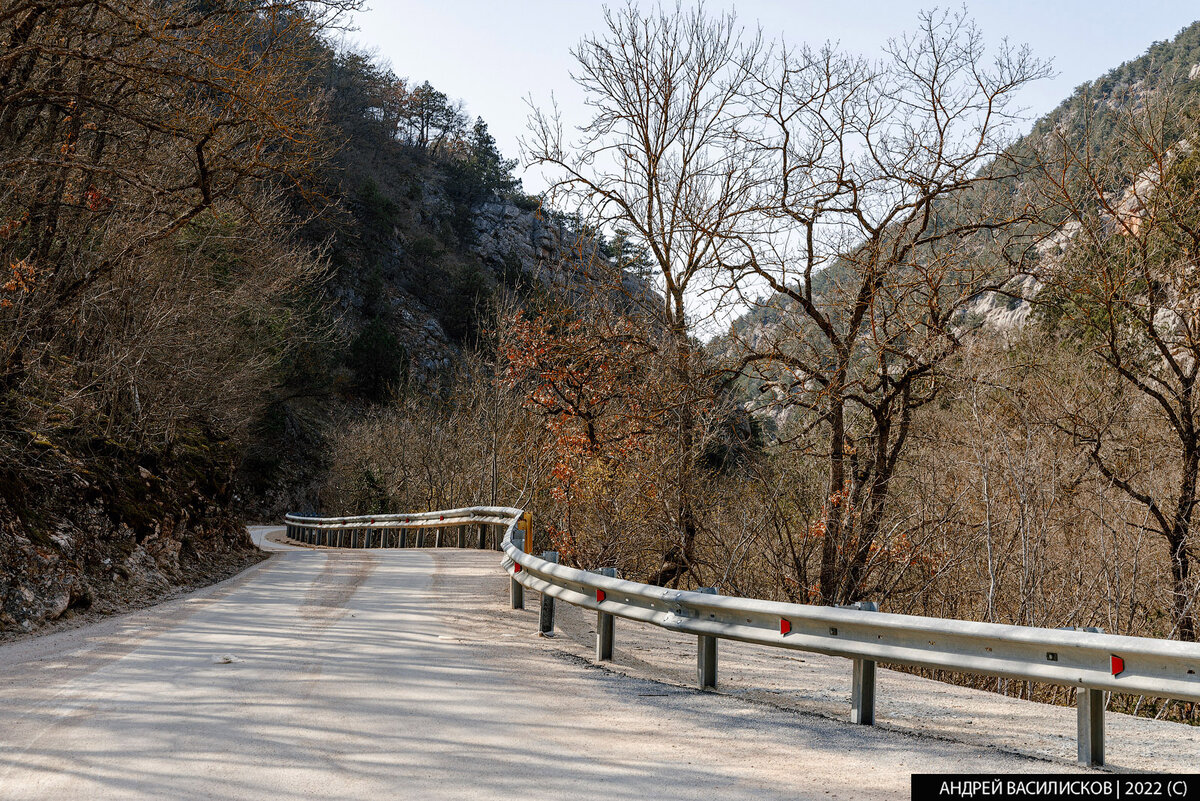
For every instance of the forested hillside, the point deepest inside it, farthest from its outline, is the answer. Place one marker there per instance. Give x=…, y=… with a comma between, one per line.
x=210, y=268
x=206, y=267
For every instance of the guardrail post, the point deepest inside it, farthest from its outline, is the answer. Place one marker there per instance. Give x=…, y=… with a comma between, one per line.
x=459, y=541
x=706, y=654
x=604, y=625
x=516, y=590
x=1089, y=709
x=420, y=538
x=437, y=538
x=482, y=536
x=862, y=686
x=546, y=608
x=862, y=693
x=516, y=593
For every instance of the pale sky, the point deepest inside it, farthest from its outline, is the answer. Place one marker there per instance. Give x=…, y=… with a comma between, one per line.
x=492, y=54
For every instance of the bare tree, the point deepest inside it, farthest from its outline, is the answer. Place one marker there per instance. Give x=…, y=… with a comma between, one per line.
x=884, y=215
x=1122, y=285
x=661, y=160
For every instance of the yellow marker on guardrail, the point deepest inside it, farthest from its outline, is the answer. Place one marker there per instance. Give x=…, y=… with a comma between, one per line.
x=525, y=525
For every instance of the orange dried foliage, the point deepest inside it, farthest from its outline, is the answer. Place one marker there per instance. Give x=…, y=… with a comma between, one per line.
x=22, y=281
x=584, y=385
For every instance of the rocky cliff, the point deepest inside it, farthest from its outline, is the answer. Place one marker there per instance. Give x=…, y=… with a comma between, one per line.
x=115, y=535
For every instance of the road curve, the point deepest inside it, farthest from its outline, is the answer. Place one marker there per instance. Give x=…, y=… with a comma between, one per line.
x=400, y=674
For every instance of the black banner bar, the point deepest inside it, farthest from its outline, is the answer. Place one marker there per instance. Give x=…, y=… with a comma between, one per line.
x=1046, y=786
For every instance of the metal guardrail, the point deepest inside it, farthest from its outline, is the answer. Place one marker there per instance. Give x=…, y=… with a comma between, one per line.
x=1091, y=661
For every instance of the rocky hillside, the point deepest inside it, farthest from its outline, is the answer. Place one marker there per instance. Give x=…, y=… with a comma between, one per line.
x=103, y=543
x=174, y=359
x=431, y=230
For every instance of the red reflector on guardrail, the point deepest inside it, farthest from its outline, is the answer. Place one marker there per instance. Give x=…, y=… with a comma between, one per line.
x=1118, y=665
x=600, y=596
x=516, y=568
x=785, y=626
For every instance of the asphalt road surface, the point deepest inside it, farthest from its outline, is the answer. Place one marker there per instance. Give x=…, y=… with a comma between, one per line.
x=402, y=674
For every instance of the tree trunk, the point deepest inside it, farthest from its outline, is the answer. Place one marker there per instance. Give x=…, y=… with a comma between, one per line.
x=678, y=558
x=1177, y=538
x=872, y=514
x=834, y=530
x=1180, y=577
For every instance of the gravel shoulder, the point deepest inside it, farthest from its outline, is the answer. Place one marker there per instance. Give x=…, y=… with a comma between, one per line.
x=819, y=685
